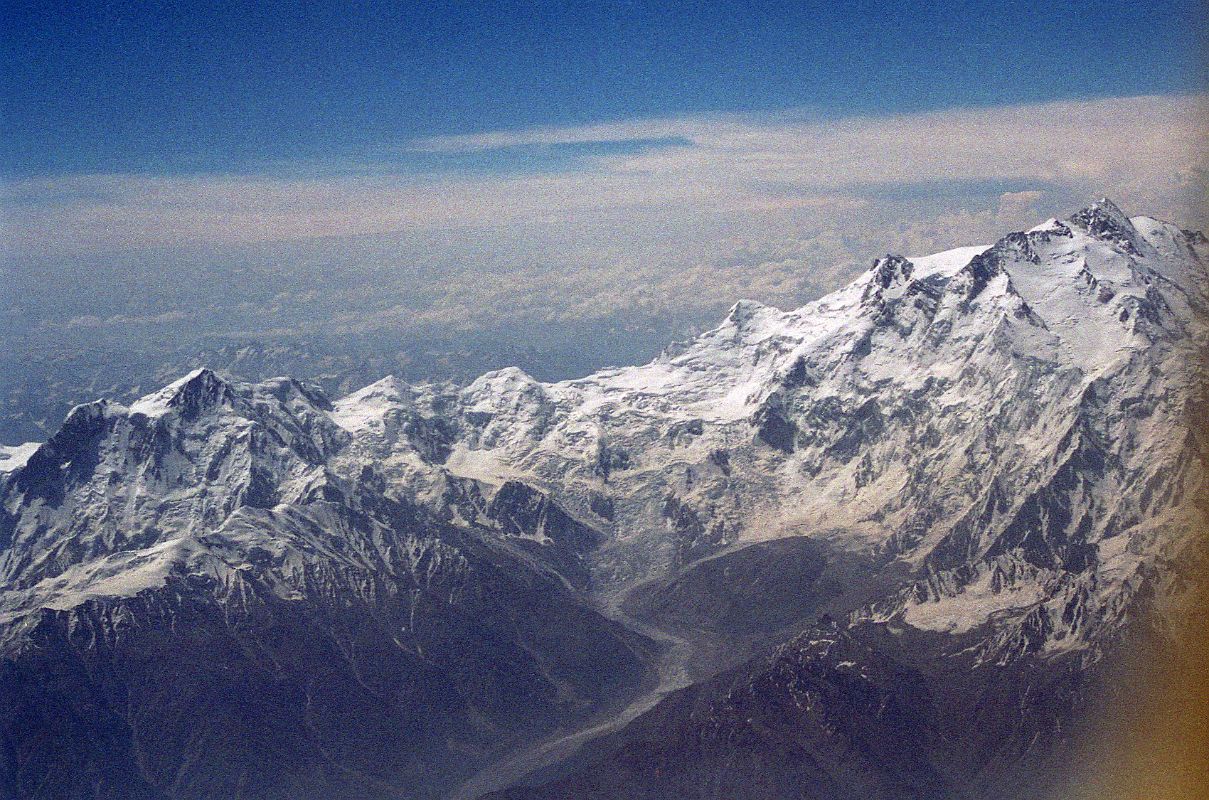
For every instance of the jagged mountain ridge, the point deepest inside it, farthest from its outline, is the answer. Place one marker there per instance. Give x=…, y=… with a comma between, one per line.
x=990, y=415
x=168, y=562
x=1003, y=426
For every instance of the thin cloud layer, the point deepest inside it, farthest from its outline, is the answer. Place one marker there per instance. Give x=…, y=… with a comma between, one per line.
x=1147, y=151
x=637, y=226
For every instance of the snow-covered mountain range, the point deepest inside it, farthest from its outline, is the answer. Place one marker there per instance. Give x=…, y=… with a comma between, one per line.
x=989, y=447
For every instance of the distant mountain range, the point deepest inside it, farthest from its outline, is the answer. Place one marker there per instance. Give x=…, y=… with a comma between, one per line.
x=891, y=544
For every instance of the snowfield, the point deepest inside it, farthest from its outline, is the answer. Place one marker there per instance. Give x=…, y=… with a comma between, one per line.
x=1003, y=419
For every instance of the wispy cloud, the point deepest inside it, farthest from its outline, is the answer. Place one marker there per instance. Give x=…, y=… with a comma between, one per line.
x=646, y=174
x=668, y=220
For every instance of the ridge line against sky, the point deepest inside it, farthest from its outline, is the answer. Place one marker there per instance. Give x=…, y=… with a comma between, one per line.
x=261, y=163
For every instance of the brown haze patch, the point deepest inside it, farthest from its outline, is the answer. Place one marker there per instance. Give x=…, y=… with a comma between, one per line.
x=1147, y=736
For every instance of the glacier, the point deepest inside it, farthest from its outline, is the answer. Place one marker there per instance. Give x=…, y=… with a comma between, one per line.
x=988, y=447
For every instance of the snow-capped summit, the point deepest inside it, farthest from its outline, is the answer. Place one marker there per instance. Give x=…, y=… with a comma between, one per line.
x=117, y=481
x=1107, y=223
x=894, y=409
x=186, y=395
x=997, y=434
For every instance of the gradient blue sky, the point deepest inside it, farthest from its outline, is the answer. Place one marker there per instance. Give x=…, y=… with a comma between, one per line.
x=236, y=87
x=483, y=165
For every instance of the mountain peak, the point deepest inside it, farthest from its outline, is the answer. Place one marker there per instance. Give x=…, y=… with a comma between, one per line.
x=201, y=388
x=389, y=389
x=1105, y=221
x=1107, y=206
x=972, y=433
x=743, y=312
x=888, y=273
x=889, y=278
x=891, y=270
x=371, y=405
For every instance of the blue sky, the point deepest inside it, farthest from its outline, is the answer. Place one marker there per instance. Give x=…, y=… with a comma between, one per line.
x=172, y=88
x=481, y=165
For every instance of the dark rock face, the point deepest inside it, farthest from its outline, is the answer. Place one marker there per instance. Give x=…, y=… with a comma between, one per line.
x=69, y=455
x=549, y=532
x=979, y=272
x=533, y=522
x=894, y=537
x=1107, y=222
x=610, y=460
x=773, y=426
x=201, y=393
x=368, y=687
x=842, y=712
x=521, y=509
x=824, y=717
x=751, y=593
